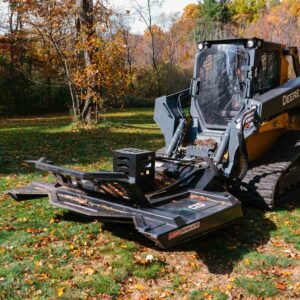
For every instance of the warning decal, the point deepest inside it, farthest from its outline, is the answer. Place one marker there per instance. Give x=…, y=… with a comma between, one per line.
x=176, y=233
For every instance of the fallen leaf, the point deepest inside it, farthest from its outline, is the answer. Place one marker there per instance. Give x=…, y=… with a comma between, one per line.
x=89, y=271
x=247, y=262
x=39, y=263
x=41, y=277
x=60, y=292
x=276, y=243
x=106, y=297
x=281, y=286
x=139, y=287
x=29, y=281
x=90, y=252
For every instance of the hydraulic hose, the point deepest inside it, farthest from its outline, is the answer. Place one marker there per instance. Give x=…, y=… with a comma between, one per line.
x=176, y=138
x=223, y=147
x=243, y=149
x=242, y=143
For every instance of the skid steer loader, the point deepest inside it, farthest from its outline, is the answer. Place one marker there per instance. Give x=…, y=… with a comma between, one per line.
x=235, y=134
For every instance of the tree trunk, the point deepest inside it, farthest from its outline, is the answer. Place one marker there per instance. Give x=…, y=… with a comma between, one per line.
x=85, y=29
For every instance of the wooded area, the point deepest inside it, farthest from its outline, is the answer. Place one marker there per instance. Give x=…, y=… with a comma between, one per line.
x=82, y=56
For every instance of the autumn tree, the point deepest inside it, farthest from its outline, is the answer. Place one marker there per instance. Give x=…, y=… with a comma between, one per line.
x=130, y=42
x=79, y=35
x=244, y=12
x=179, y=46
x=145, y=11
x=26, y=84
x=213, y=21
x=213, y=10
x=281, y=23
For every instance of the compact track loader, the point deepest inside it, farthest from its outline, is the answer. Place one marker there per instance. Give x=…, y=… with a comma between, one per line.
x=235, y=134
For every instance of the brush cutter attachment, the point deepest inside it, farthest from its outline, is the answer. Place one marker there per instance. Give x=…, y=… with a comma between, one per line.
x=173, y=212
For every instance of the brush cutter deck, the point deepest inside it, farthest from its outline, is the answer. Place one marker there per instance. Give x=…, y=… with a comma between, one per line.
x=168, y=216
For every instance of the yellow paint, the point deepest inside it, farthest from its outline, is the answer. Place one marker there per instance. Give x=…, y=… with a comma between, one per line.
x=261, y=142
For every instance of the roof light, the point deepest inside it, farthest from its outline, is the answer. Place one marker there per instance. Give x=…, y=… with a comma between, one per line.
x=201, y=46
x=250, y=44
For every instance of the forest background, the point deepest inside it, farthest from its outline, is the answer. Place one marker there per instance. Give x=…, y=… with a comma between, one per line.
x=83, y=56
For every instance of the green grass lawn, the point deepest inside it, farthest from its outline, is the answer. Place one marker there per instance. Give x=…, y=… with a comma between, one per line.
x=49, y=253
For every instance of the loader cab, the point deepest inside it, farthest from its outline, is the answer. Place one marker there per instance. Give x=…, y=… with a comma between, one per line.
x=221, y=82
x=229, y=71
x=227, y=75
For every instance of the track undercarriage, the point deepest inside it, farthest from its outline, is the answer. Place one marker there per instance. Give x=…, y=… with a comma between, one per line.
x=275, y=175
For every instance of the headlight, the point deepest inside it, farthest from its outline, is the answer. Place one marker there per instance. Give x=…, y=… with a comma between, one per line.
x=250, y=44
x=201, y=46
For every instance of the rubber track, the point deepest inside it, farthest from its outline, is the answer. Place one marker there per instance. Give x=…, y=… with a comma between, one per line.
x=267, y=180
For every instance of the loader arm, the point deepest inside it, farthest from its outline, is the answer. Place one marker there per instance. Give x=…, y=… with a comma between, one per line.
x=171, y=119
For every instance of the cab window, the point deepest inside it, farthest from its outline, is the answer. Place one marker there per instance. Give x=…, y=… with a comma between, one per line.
x=267, y=72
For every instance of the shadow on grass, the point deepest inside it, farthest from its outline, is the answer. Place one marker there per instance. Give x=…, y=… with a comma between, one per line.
x=223, y=249
x=69, y=216
x=220, y=250
x=32, y=138
x=69, y=148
